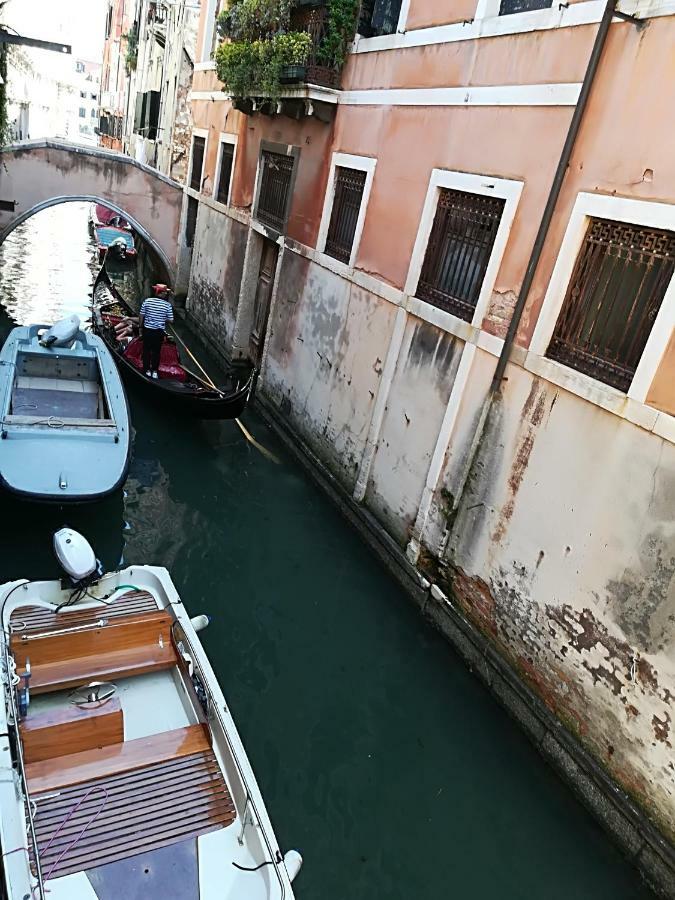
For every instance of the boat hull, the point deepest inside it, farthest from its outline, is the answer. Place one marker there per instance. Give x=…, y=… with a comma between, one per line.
x=65, y=434
x=186, y=399
x=159, y=773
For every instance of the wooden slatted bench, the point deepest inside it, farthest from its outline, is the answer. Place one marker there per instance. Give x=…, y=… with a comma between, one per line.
x=131, y=812
x=29, y=619
x=107, y=647
x=55, y=774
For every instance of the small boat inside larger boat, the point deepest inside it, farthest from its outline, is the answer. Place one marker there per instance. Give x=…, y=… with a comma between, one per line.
x=64, y=425
x=124, y=774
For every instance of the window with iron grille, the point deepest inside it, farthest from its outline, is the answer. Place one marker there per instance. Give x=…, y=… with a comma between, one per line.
x=225, y=176
x=379, y=17
x=508, y=7
x=459, y=249
x=349, y=184
x=198, y=147
x=275, y=189
x=617, y=287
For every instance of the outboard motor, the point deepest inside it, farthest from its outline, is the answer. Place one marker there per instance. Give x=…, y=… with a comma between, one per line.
x=76, y=558
x=62, y=333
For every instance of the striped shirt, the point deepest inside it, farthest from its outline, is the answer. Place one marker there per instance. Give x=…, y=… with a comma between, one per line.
x=156, y=313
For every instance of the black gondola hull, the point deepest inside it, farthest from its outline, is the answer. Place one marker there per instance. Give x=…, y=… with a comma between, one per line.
x=185, y=399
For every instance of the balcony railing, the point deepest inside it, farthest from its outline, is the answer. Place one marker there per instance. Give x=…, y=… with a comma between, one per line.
x=313, y=19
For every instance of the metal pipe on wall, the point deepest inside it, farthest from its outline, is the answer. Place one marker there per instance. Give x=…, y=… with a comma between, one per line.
x=535, y=255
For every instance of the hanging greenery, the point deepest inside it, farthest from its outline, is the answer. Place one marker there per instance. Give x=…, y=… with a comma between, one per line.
x=131, y=60
x=260, y=51
x=5, y=133
x=255, y=68
x=252, y=20
x=342, y=17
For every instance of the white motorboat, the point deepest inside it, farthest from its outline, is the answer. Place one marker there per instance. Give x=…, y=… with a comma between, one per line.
x=121, y=770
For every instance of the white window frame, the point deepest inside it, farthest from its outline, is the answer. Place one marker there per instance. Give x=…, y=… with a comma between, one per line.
x=203, y=133
x=225, y=138
x=210, y=12
x=509, y=190
x=489, y=9
x=346, y=161
x=650, y=214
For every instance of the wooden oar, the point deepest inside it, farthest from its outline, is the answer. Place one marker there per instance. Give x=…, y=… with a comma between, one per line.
x=194, y=359
x=207, y=381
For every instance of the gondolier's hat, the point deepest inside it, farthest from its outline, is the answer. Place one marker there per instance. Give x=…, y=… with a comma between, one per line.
x=161, y=289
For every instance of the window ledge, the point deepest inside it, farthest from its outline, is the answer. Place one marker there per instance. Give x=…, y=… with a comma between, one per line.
x=602, y=395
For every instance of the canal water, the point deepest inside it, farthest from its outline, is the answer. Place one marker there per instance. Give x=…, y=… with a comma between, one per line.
x=379, y=755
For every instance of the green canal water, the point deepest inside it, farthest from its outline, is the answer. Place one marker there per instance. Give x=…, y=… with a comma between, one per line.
x=379, y=755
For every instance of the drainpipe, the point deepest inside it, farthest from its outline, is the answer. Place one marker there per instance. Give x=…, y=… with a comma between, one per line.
x=535, y=256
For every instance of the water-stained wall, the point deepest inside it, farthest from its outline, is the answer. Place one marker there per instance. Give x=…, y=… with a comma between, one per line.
x=215, y=276
x=327, y=343
x=563, y=552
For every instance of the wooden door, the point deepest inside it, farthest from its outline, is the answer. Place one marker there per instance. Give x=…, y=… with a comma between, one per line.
x=263, y=294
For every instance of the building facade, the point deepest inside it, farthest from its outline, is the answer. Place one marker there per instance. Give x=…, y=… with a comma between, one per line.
x=365, y=241
x=118, y=57
x=157, y=125
x=50, y=97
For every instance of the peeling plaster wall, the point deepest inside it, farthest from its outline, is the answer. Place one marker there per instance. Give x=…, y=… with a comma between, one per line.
x=416, y=404
x=327, y=342
x=215, y=277
x=563, y=551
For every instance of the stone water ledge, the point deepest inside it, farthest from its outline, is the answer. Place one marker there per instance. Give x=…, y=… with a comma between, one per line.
x=627, y=824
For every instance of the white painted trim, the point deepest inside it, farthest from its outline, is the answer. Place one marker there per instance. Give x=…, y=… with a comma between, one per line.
x=444, y=435
x=207, y=65
x=209, y=30
x=203, y=133
x=304, y=92
x=388, y=372
x=212, y=96
x=403, y=17
x=508, y=189
x=225, y=138
x=622, y=209
x=488, y=24
x=487, y=95
x=346, y=161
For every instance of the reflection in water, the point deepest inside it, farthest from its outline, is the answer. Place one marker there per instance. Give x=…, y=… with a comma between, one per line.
x=48, y=266
x=377, y=752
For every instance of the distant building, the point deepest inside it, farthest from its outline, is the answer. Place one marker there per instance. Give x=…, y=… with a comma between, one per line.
x=158, y=124
x=51, y=95
x=118, y=57
x=84, y=113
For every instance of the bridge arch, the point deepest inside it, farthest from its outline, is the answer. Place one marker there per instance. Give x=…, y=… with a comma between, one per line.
x=57, y=201
x=35, y=175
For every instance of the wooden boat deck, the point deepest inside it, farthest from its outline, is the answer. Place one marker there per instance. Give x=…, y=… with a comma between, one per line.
x=120, y=815
x=31, y=619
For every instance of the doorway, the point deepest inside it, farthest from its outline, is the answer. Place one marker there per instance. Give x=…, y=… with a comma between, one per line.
x=263, y=295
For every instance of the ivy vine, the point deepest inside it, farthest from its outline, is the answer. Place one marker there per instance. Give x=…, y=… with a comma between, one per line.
x=5, y=131
x=131, y=59
x=342, y=17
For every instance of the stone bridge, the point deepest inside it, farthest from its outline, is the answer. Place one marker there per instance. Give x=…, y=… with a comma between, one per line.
x=37, y=174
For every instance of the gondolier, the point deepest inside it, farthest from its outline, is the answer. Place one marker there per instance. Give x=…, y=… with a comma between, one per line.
x=155, y=313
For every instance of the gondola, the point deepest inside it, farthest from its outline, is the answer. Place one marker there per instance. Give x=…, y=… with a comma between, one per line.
x=185, y=391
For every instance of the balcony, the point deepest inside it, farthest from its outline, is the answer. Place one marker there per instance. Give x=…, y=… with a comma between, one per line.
x=289, y=66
